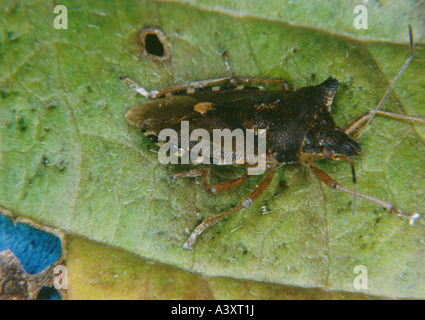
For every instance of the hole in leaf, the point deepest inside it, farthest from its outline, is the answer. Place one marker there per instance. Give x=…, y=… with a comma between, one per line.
x=153, y=44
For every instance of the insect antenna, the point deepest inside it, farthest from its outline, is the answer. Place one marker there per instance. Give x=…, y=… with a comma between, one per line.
x=406, y=63
x=353, y=173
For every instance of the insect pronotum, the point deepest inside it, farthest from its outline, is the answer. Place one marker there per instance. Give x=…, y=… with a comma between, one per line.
x=299, y=127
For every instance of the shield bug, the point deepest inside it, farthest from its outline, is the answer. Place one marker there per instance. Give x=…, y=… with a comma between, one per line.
x=298, y=124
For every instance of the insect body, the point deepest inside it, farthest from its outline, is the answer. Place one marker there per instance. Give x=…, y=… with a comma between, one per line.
x=299, y=127
x=298, y=123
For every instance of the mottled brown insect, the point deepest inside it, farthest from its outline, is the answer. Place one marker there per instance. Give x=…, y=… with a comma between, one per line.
x=299, y=126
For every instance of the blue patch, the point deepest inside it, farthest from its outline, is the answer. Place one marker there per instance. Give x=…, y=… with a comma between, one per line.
x=36, y=249
x=47, y=293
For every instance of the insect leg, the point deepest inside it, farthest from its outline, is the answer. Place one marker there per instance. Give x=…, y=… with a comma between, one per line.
x=140, y=90
x=194, y=173
x=215, y=188
x=363, y=119
x=154, y=94
x=191, y=173
x=234, y=80
x=248, y=201
x=238, y=80
x=226, y=185
x=333, y=184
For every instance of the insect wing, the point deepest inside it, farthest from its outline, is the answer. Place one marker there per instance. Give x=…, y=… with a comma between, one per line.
x=170, y=112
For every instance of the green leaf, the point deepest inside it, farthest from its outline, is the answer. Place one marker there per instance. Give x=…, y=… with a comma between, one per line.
x=69, y=160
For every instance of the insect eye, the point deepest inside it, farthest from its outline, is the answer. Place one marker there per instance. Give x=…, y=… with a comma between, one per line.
x=327, y=153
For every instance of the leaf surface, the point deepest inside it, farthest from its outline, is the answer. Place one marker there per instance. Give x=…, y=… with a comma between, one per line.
x=69, y=160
